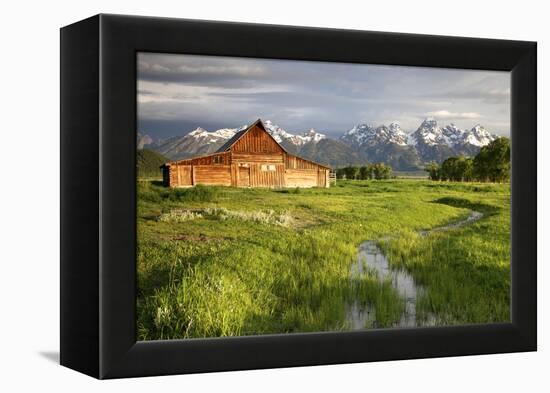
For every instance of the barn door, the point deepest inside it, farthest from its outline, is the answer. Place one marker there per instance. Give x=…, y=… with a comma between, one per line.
x=244, y=177
x=184, y=176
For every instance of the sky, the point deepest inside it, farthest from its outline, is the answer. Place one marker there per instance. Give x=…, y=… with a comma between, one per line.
x=178, y=93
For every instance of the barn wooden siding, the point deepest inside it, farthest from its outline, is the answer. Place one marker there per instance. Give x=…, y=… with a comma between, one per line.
x=212, y=175
x=256, y=140
x=254, y=159
x=293, y=162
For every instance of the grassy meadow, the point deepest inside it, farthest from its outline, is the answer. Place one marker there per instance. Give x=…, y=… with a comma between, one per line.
x=222, y=261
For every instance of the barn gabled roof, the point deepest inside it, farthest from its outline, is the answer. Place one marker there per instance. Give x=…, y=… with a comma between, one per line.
x=227, y=145
x=231, y=141
x=190, y=158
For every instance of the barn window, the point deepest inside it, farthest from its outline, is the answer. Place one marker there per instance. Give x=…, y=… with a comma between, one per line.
x=218, y=160
x=268, y=168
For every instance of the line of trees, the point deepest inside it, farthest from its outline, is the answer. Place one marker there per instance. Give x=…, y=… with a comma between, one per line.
x=492, y=163
x=378, y=171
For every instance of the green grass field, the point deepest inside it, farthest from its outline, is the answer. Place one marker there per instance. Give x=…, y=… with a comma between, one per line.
x=220, y=261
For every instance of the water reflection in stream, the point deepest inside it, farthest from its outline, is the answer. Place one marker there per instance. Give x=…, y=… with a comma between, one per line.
x=370, y=257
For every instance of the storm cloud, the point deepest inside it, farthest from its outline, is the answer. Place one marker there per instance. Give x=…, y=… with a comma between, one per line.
x=177, y=93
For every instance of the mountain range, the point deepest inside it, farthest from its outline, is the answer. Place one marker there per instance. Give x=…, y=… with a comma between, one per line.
x=363, y=142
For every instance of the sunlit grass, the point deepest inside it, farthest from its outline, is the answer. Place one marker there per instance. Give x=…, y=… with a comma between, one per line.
x=239, y=271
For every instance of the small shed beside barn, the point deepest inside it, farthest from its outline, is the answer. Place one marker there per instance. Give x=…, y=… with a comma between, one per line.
x=251, y=158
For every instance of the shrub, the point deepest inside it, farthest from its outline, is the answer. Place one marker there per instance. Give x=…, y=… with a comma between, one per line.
x=221, y=213
x=179, y=216
x=198, y=193
x=492, y=163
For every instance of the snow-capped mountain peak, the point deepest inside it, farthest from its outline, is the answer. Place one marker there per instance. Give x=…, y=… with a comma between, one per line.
x=362, y=128
x=452, y=134
x=280, y=135
x=395, y=127
x=199, y=131
x=277, y=132
x=398, y=136
x=478, y=136
x=213, y=136
x=311, y=136
x=367, y=135
x=429, y=133
x=359, y=134
x=429, y=121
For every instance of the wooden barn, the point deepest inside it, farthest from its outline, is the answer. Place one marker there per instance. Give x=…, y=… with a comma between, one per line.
x=251, y=158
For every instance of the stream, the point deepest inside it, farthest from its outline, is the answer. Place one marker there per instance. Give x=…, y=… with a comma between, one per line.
x=370, y=256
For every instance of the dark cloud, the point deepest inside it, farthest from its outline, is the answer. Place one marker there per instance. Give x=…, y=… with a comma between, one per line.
x=182, y=90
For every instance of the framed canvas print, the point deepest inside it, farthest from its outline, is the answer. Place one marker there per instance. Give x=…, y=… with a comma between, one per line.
x=238, y=196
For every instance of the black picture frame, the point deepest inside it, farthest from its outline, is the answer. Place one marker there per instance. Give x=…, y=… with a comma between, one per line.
x=98, y=195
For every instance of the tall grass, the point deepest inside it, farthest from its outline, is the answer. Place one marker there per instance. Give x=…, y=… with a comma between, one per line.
x=235, y=271
x=152, y=192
